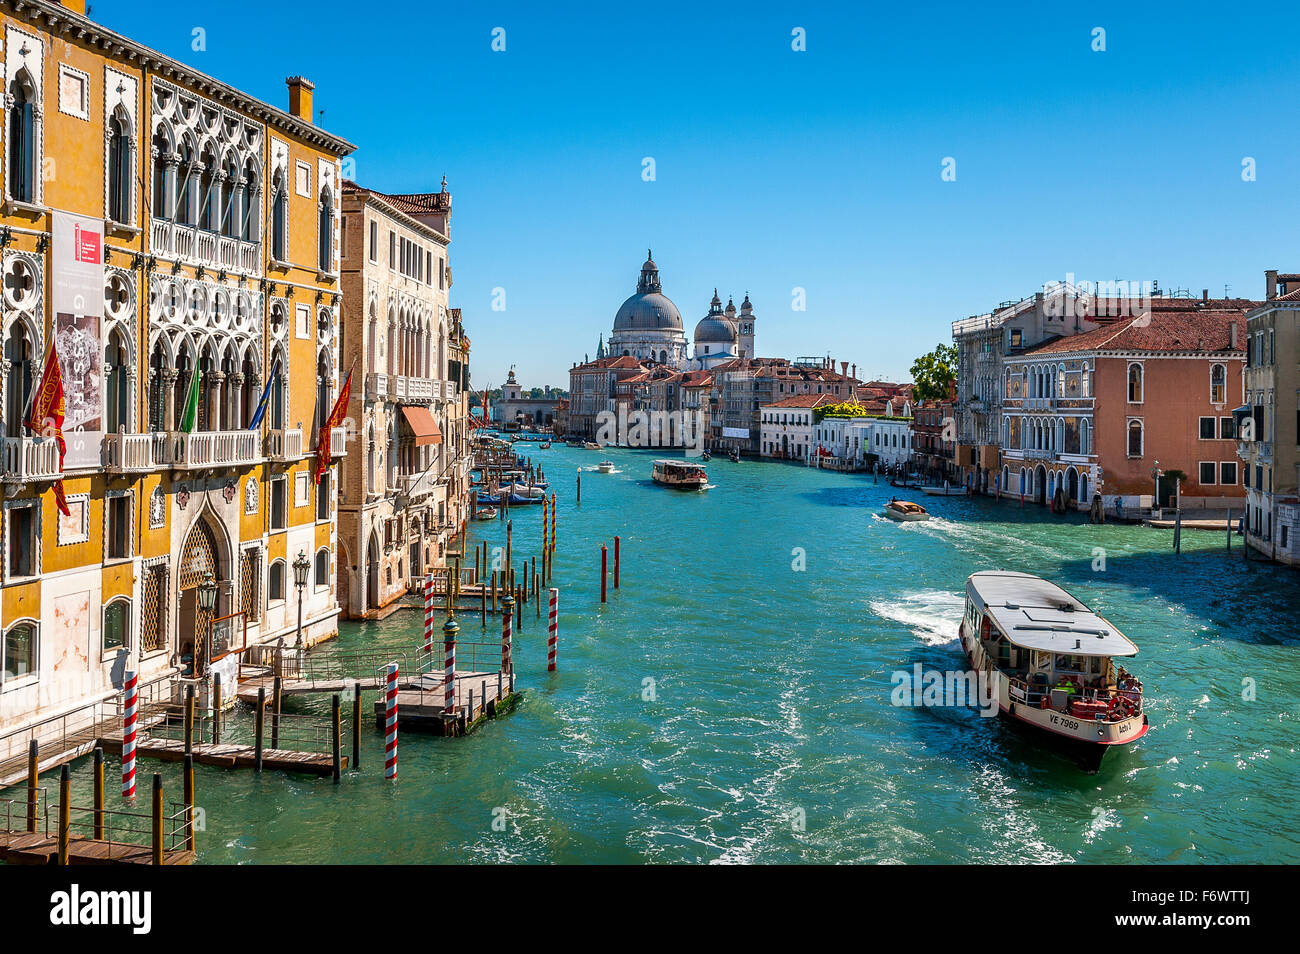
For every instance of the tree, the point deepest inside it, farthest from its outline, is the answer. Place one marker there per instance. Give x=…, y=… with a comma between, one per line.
x=933, y=374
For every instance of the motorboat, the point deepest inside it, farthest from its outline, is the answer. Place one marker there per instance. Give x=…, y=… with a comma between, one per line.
x=906, y=511
x=605, y=467
x=486, y=513
x=947, y=490
x=680, y=475
x=1050, y=662
x=544, y=445
x=591, y=445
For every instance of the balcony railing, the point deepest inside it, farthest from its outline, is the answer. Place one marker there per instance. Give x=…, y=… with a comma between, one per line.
x=31, y=458
x=178, y=240
x=339, y=442
x=132, y=453
x=284, y=444
x=213, y=449
x=376, y=385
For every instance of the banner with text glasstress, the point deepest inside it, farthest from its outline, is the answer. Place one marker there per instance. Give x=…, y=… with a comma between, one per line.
x=77, y=303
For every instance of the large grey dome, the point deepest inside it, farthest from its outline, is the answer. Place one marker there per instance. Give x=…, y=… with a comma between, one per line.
x=715, y=327
x=649, y=309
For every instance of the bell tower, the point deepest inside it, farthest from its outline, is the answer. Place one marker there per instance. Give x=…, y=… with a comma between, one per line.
x=745, y=330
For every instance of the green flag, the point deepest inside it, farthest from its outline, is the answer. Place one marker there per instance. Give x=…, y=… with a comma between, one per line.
x=190, y=416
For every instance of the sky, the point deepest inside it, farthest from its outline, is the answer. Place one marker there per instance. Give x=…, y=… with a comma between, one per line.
x=776, y=169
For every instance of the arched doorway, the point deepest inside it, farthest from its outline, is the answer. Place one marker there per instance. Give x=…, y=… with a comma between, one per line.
x=1040, y=485
x=200, y=556
x=1072, y=484
x=372, y=573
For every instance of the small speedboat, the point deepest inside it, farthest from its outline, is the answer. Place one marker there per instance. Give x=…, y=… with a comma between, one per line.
x=525, y=490
x=905, y=511
x=486, y=513
x=605, y=467
x=706, y=457
x=735, y=457
x=544, y=445
x=591, y=445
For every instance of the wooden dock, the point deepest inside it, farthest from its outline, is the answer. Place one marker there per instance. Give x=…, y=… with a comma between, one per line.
x=479, y=696
x=21, y=848
x=229, y=755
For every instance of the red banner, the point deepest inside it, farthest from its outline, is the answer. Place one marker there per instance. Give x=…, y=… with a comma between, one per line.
x=333, y=421
x=47, y=412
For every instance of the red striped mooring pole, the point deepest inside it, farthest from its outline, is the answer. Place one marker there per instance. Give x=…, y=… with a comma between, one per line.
x=130, y=700
x=449, y=631
x=428, y=613
x=390, y=721
x=507, y=633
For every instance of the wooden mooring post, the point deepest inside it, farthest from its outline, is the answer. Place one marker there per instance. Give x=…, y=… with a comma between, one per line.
x=189, y=719
x=277, y=697
x=187, y=787
x=65, y=812
x=157, y=818
x=578, y=497
x=616, y=549
x=336, y=738
x=33, y=780
x=98, y=827
x=216, y=706
x=356, y=727
x=604, y=560
x=259, y=719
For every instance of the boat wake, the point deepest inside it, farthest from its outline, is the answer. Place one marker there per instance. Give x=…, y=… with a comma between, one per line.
x=933, y=615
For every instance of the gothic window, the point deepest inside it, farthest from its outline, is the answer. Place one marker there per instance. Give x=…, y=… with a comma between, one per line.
x=1134, y=438
x=117, y=625
x=119, y=170
x=279, y=219
x=162, y=173
x=1135, y=384
x=1218, y=384
x=22, y=139
x=326, y=249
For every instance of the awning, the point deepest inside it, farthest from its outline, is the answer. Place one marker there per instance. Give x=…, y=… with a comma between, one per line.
x=422, y=422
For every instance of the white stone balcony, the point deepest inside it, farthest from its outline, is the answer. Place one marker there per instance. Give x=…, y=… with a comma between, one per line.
x=125, y=453
x=339, y=442
x=30, y=458
x=416, y=485
x=213, y=449
x=284, y=444
x=178, y=240
x=376, y=385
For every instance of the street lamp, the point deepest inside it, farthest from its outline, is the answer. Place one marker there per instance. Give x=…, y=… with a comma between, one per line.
x=300, y=568
x=1155, y=476
x=207, y=596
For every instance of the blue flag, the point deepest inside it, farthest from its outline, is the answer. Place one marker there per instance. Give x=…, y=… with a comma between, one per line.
x=260, y=413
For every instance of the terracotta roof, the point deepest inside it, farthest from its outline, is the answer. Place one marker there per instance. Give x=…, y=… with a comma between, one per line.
x=1162, y=329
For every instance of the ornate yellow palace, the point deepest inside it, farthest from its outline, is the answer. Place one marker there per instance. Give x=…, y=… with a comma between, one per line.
x=159, y=225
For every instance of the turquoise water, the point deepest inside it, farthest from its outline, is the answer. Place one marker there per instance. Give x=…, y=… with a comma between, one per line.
x=770, y=736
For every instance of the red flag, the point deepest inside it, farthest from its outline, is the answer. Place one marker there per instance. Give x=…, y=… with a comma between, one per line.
x=333, y=421
x=45, y=418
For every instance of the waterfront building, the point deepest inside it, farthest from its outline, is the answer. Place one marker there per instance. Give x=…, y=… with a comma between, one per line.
x=178, y=239
x=517, y=407
x=1096, y=411
x=933, y=438
x=787, y=427
x=866, y=439
x=593, y=390
x=1267, y=423
x=405, y=491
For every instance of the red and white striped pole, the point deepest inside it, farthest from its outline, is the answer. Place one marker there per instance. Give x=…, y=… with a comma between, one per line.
x=553, y=624
x=130, y=701
x=449, y=631
x=507, y=633
x=428, y=613
x=390, y=721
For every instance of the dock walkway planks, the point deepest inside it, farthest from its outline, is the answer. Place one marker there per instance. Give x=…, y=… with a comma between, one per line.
x=227, y=755
x=20, y=848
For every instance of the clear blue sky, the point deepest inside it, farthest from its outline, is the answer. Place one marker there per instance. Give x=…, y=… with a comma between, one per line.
x=776, y=169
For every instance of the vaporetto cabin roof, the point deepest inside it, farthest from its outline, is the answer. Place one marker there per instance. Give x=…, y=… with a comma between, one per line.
x=1036, y=614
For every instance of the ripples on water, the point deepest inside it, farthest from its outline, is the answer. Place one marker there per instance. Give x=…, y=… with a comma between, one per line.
x=771, y=738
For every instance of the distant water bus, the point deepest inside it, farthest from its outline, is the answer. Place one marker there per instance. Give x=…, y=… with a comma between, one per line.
x=1050, y=662
x=680, y=475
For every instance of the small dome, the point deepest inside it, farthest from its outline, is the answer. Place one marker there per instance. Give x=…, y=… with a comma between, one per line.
x=714, y=330
x=731, y=308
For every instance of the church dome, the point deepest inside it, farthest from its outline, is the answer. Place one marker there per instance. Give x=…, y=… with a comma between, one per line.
x=715, y=328
x=649, y=309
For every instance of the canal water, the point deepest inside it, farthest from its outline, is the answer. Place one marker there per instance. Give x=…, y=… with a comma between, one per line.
x=732, y=700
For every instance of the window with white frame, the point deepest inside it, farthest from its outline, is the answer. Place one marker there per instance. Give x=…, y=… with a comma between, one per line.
x=275, y=582
x=117, y=525
x=1218, y=384
x=18, y=651
x=1134, y=438
x=1228, y=473
x=322, y=568
x=22, y=539
x=278, y=503
x=117, y=625
x=1135, y=383
x=1208, y=475
x=1209, y=428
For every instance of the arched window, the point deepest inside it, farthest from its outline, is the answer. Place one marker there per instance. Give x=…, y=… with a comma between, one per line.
x=119, y=170
x=116, y=360
x=22, y=140
x=279, y=219
x=1135, y=384
x=1218, y=384
x=326, y=249
x=322, y=567
x=1060, y=381
x=209, y=194
x=19, y=354
x=117, y=625
x=1085, y=437
x=1134, y=438
x=186, y=201
x=230, y=214
x=18, y=652
x=275, y=582
x=162, y=191
x=1085, y=382
x=248, y=220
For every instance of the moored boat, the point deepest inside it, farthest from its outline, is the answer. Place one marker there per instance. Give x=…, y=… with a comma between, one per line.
x=485, y=513
x=947, y=490
x=679, y=474
x=1049, y=661
x=591, y=445
x=905, y=511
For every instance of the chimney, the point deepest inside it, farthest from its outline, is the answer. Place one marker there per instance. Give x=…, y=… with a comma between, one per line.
x=300, y=96
x=1270, y=284
x=1205, y=294
x=844, y=368
x=1232, y=335
x=855, y=370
